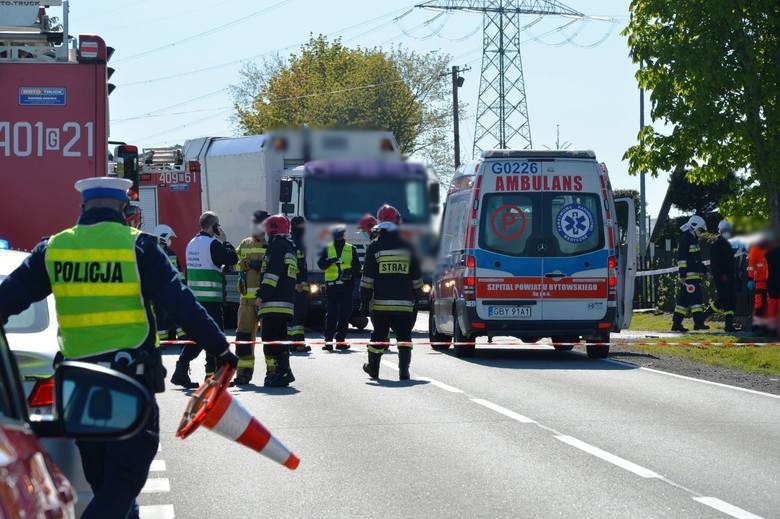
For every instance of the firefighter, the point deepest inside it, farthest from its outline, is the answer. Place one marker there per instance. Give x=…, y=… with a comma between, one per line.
x=367, y=227
x=276, y=299
x=723, y=267
x=340, y=262
x=116, y=256
x=296, y=331
x=208, y=254
x=391, y=283
x=758, y=274
x=166, y=327
x=691, y=270
x=250, y=252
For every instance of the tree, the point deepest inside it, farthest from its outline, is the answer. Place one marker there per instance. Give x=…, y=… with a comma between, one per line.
x=696, y=197
x=712, y=67
x=327, y=84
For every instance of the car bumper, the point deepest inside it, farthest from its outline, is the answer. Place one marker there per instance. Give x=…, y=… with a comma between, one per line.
x=67, y=457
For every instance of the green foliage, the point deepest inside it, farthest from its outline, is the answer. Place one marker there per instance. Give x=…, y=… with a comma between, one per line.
x=713, y=69
x=699, y=197
x=329, y=85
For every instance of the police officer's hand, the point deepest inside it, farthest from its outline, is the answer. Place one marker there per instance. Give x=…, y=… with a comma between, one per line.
x=256, y=264
x=751, y=285
x=228, y=357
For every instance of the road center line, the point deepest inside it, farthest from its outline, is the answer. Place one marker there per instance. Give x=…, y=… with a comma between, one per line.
x=157, y=466
x=156, y=512
x=503, y=410
x=606, y=456
x=726, y=508
x=156, y=486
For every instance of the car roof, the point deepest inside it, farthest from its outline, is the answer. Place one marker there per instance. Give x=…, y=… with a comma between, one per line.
x=539, y=154
x=10, y=259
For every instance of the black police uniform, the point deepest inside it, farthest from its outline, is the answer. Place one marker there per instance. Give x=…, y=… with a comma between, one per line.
x=277, y=307
x=691, y=271
x=339, y=294
x=165, y=324
x=117, y=470
x=297, y=331
x=723, y=267
x=391, y=283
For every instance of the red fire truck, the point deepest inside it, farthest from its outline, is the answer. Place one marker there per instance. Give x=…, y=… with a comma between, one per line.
x=53, y=119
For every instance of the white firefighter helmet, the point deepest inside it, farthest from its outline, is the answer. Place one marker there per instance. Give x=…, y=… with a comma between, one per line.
x=724, y=225
x=164, y=232
x=696, y=224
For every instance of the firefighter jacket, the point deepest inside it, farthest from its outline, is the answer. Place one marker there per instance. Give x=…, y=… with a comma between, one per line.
x=689, y=260
x=391, y=275
x=723, y=265
x=758, y=269
x=303, y=270
x=104, y=276
x=174, y=259
x=250, y=260
x=278, y=278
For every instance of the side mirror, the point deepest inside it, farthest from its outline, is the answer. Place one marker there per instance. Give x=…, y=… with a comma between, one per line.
x=285, y=191
x=93, y=402
x=433, y=197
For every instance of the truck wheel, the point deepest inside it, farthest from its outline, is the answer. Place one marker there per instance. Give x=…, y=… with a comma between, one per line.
x=462, y=351
x=435, y=336
x=564, y=338
x=598, y=351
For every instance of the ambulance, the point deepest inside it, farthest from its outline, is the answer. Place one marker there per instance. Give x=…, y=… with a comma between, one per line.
x=533, y=244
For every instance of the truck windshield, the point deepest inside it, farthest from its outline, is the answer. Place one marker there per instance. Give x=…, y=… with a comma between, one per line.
x=330, y=200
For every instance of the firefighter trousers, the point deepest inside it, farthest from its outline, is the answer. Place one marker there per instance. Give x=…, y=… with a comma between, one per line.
x=277, y=356
x=246, y=331
x=400, y=323
x=727, y=296
x=191, y=351
x=690, y=302
x=296, y=330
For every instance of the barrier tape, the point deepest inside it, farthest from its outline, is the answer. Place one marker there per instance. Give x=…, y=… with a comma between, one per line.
x=312, y=342
x=657, y=272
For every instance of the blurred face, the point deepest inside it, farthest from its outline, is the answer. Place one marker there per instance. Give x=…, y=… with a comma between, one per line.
x=257, y=229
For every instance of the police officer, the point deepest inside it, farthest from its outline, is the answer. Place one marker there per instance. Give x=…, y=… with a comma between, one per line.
x=691, y=270
x=166, y=327
x=208, y=254
x=250, y=252
x=104, y=276
x=391, y=284
x=341, y=264
x=723, y=267
x=276, y=297
x=296, y=332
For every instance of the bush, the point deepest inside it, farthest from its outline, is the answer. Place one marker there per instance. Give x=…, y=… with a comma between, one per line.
x=668, y=286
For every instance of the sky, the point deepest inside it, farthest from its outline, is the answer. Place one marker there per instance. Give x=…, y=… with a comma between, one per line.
x=174, y=61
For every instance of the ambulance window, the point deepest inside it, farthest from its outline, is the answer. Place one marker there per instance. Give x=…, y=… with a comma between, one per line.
x=452, y=231
x=575, y=222
x=506, y=222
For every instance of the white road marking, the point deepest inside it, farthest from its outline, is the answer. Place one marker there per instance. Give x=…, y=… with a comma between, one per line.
x=719, y=384
x=440, y=385
x=503, y=410
x=606, y=456
x=726, y=508
x=159, y=447
x=158, y=466
x=156, y=486
x=156, y=512
x=390, y=365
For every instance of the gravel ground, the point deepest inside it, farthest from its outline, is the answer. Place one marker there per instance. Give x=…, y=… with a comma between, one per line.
x=627, y=353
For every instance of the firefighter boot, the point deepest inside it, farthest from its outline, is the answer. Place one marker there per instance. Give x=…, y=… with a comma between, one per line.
x=181, y=376
x=729, y=324
x=246, y=359
x=677, y=324
x=282, y=375
x=372, y=366
x=270, y=369
x=698, y=321
x=404, y=359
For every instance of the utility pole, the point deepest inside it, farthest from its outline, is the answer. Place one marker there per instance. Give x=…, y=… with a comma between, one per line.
x=457, y=82
x=642, y=193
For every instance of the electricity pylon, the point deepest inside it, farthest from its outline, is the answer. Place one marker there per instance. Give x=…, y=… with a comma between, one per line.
x=502, y=111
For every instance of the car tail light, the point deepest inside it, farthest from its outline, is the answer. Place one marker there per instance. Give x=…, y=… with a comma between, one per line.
x=605, y=325
x=479, y=326
x=612, y=278
x=43, y=393
x=194, y=166
x=471, y=226
x=471, y=262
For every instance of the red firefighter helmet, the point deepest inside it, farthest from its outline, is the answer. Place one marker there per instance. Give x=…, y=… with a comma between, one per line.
x=277, y=224
x=367, y=223
x=388, y=213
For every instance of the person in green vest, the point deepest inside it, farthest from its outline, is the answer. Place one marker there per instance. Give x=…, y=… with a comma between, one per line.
x=105, y=275
x=208, y=254
x=341, y=265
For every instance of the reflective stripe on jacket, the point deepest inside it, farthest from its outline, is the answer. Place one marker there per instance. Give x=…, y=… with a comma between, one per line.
x=203, y=277
x=97, y=289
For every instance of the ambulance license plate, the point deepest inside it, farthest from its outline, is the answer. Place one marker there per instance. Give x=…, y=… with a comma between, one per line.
x=510, y=312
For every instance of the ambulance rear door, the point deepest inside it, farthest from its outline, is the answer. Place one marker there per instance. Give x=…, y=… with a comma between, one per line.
x=627, y=251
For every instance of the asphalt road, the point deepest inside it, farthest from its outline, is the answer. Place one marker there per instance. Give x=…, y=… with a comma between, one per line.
x=512, y=432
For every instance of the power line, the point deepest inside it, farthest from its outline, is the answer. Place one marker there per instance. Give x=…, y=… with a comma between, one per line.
x=208, y=32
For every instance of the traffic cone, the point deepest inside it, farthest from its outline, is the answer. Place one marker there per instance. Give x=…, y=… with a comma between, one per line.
x=214, y=407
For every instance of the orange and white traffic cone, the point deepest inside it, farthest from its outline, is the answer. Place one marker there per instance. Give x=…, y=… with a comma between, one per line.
x=214, y=407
